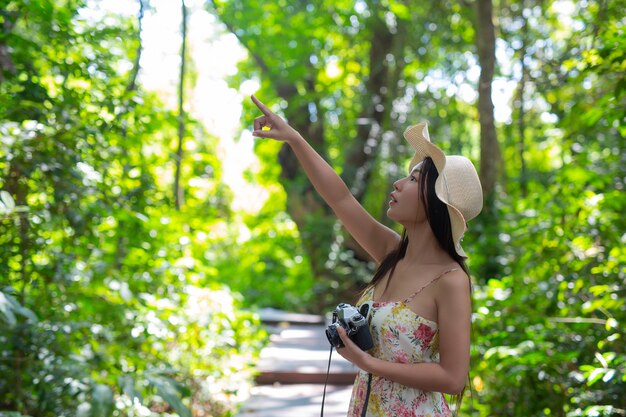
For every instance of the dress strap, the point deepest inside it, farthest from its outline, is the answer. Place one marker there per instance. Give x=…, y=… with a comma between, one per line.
x=408, y=300
x=367, y=295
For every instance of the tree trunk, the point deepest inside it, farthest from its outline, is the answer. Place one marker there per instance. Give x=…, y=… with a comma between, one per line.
x=489, y=147
x=317, y=230
x=307, y=209
x=132, y=83
x=122, y=240
x=521, y=121
x=178, y=191
x=381, y=89
x=17, y=187
x=6, y=25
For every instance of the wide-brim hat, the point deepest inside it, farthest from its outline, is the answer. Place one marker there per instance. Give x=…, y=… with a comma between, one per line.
x=458, y=185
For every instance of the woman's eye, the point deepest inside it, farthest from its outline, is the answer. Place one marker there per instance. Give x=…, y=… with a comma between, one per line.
x=413, y=178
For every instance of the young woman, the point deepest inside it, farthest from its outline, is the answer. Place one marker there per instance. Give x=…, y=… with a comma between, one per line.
x=420, y=294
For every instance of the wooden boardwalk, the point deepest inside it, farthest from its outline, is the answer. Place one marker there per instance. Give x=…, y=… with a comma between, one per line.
x=301, y=400
x=293, y=370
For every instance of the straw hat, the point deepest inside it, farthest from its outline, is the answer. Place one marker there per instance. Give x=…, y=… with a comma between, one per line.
x=458, y=185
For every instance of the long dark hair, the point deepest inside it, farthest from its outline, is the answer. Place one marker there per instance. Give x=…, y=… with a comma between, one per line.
x=439, y=221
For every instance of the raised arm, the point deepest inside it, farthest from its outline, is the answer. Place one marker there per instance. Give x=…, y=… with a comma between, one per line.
x=374, y=237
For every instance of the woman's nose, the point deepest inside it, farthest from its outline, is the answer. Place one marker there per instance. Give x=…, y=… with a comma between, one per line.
x=395, y=185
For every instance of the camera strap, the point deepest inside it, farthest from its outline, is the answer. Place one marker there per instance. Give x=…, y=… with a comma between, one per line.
x=367, y=394
x=330, y=355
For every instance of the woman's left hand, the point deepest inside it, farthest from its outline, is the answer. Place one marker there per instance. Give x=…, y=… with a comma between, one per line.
x=351, y=351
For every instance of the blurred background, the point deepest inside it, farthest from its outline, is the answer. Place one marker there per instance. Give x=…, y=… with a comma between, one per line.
x=142, y=227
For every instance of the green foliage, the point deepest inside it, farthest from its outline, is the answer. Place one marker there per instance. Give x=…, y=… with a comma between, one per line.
x=101, y=310
x=550, y=330
x=548, y=333
x=547, y=256
x=112, y=302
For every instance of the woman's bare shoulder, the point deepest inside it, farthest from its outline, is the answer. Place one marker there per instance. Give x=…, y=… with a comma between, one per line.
x=454, y=280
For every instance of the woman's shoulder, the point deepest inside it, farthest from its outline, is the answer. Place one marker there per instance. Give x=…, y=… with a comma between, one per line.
x=453, y=280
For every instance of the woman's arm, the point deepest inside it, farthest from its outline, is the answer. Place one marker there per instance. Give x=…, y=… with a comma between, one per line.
x=377, y=239
x=450, y=374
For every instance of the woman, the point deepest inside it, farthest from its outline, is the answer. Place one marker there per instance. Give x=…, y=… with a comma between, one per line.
x=420, y=295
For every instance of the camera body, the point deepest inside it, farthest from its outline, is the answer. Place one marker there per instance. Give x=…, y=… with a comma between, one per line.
x=354, y=323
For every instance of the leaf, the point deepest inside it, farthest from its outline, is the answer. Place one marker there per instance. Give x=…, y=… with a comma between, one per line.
x=28, y=313
x=142, y=217
x=101, y=401
x=13, y=306
x=127, y=383
x=598, y=289
x=595, y=375
x=166, y=389
x=611, y=323
x=400, y=10
x=6, y=308
x=609, y=375
x=7, y=200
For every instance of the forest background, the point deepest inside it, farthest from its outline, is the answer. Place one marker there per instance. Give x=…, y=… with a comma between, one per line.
x=131, y=270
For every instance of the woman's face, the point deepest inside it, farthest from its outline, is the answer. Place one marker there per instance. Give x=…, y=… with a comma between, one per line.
x=405, y=204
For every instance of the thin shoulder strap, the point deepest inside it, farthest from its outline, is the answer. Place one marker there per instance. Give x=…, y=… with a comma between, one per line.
x=368, y=294
x=408, y=300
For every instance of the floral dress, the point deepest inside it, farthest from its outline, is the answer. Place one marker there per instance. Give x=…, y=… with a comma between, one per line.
x=400, y=336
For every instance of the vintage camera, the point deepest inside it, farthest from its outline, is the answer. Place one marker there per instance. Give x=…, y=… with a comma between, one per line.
x=354, y=323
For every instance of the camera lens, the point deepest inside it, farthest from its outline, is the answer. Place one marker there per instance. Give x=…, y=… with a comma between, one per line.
x=333, y=335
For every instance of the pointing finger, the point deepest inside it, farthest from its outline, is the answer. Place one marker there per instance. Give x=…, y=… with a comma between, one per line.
x=264, y=109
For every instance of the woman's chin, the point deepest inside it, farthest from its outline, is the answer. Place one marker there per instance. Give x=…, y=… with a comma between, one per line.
x=392, y=215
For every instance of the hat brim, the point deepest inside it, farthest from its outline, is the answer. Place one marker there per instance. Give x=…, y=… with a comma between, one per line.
x=418, y=137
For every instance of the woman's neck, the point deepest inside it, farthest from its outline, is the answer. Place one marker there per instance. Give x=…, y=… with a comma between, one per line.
x=423, y=247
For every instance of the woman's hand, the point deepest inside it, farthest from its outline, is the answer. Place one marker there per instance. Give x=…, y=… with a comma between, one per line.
x=270, y=125
x=351, y=351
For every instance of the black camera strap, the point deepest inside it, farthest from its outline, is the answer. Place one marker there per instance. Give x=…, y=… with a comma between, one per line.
x=326, y=382
x=367, y=394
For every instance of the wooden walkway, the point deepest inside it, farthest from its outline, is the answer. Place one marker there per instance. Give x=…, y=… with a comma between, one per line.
x=293, y=370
